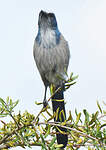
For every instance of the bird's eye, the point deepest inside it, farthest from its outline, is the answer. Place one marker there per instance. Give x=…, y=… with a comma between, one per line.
x=51, y=16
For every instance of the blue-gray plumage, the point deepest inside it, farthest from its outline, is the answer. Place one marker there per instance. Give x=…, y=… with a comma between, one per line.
x=51, y=54
x=51, y=51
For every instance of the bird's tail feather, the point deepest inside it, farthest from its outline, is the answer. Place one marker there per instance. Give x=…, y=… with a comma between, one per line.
x=59, y=107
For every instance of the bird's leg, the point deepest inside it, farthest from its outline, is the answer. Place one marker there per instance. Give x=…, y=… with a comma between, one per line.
x=45, y=102
x=63, y=86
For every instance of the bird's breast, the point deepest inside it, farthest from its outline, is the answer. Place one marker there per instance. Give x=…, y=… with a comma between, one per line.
x=48, y=39
x=51, y=61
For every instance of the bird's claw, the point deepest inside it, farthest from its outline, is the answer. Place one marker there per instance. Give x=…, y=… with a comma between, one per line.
x=45, y=103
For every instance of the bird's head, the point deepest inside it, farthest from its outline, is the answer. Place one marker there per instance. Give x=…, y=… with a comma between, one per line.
x=48, y=33
x=47, y=20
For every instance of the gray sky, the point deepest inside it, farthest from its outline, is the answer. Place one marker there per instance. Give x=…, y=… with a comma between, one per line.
x=83, y=24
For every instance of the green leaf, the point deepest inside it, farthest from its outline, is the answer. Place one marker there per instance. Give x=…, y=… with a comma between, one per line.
x=48, y=131
x=61, y=114
x=75, y=77
x=52, y=117
x=78, y=118
x=70, y=117
x=52, y=142
x=49, y=113
x=99, y=107
x=43, y=141
x=58, y=145
x=94, y=118
x=86, y=116
x=57, y=113
x=4, y=114
x=37, y=137
x=71, y=75
x=11, y=103
x=7, y=100
x=2, y=102
x=15, y=103
x=76, y=112
x=37, y=103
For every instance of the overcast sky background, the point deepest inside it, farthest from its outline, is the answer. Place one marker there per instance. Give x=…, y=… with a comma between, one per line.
x=83, y=24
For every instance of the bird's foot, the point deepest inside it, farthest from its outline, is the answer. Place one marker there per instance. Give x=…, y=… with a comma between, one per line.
x=45, y=103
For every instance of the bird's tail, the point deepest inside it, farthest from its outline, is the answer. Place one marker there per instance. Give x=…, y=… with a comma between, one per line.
x=59, y=107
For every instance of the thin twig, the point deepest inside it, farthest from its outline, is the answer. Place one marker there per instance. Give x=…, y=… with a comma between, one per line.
x=102, y=116
x=59, y=88
x=5, y=146
x=75, y=130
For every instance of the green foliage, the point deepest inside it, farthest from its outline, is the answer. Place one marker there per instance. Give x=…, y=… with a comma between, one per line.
x=26, y=130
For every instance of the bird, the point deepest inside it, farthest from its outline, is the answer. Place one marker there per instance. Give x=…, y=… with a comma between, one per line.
x=51, y=54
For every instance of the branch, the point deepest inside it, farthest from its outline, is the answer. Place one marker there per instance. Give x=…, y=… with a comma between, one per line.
x=69, y=128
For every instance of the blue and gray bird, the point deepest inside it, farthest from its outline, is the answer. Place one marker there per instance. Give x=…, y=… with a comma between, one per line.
x=51, y=54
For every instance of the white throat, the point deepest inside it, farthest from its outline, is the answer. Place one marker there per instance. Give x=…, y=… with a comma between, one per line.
x=48, y=38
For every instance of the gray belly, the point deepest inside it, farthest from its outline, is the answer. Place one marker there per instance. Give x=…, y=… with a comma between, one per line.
x=51, y=64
